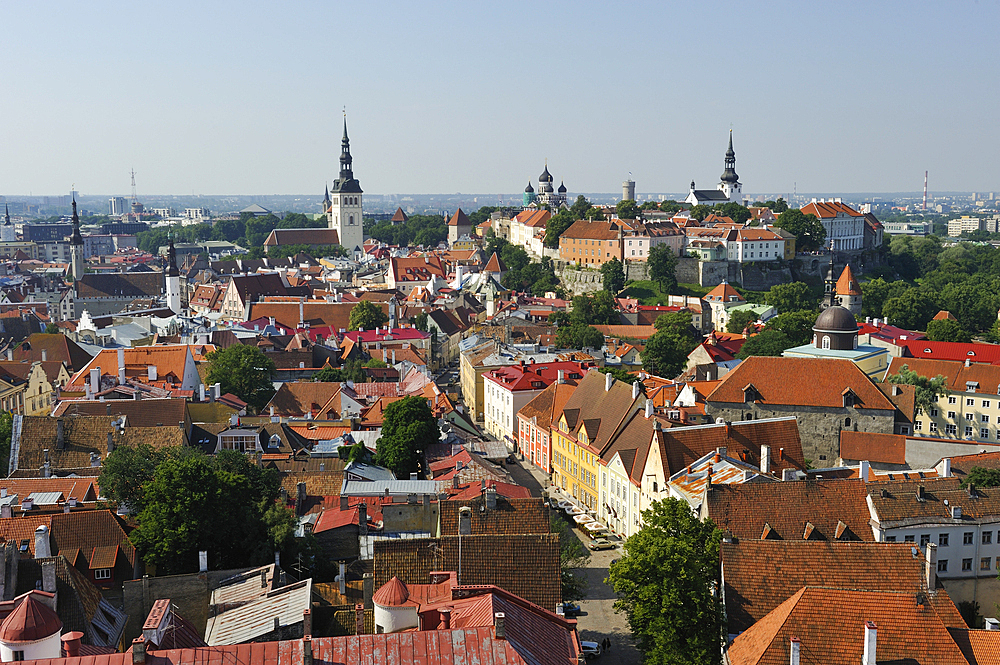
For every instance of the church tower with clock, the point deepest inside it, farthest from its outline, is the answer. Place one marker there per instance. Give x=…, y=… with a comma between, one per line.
x=345, y=202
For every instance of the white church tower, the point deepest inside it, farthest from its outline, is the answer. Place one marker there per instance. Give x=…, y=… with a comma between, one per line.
x=730, y=184
x=345, y=202
x=173, y=279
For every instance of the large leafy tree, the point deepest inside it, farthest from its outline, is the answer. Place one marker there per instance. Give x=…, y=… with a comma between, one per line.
x=740, y=319
x=874, y=294
x=627, y=209
x=126, y=470
x=767, y=342
x=928, y=389
x=556, y=225
x=613, y=276
x=579, y=336
x=667, y=350
x=665, y=584
x=243, y=371
x=797, y=326
x=736, y=212
x=408, y=427
x=366, y=315
x=947, y=330
x=807, y=229
x=662, y=268
x=598, y=309
x=790, y=297
x=911, y=310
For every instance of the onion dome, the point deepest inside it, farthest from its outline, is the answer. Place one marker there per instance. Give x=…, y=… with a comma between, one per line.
x=836, y=319
x=546, y=176
x=392, y=594
x=30, y=621
x=562, y=188
x=529, y=189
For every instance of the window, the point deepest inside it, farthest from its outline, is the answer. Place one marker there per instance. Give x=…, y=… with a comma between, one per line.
x=966, y=564
x=17, y=655
x=951, y=429
x=102, y=574
x=942, y=565
x=968, y=432
x=967, y=538
x=826, y=341
x=934, y=427
x=890, y=539
x=970, y=402
x=984, y=432
x=951, y=415
x=847, y=422
x=924, y=539
x=970, y=416
x=952, y=399
x=986, y=404
x=934, y=412
x=984, y=563
x=987, y=537
x=908, y=539
x=917, y=425
x=984, y=419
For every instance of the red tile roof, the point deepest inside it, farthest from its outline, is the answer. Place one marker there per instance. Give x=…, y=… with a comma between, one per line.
x=592, y=230
x=974, y=353
x=883, y=448
x=459, y=219
x=526, y=377
x=829, y=209
x=847, y=285
x=724, y=293
x=957, y=375
x=816, y=382
x=30, y=621
x=980, y=647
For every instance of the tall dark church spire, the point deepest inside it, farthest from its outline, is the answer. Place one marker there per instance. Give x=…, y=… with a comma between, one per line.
x=172, y=269
x=77, y=239
x=729, y=174
x=6, y=214
x=346, y=172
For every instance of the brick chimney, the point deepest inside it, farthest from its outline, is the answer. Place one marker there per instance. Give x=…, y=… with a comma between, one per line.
x=43, y=549
x=445, y=613
x=71, y=643
x=500, y=632
x=139, y=651
x=871, y=640
x=359, y=619
x=307, y=621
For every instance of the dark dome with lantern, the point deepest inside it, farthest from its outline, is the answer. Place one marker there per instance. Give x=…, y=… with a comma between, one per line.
x=836, y=328
x=546, y=176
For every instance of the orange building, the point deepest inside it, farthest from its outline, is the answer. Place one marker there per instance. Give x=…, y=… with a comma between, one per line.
x=591, y=244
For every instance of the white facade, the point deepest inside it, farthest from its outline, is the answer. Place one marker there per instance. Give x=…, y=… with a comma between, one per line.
x=756, y=245
x=174, y=294
x=500, y=407
x=619, y=506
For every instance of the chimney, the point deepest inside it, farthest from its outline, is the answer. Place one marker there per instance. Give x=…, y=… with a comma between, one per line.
x=45, y=355
x=635, y=389
x=137, y=395
x=121, y=366
x=362, y=519
x=562, y=377
x=203, y=561
x=151, y=372
x=49, y=576
x=413, y=475
x=930, y=567
x=608, y=381
x=465, y=521
x=359, y=619
x=967, y=362
x=491, y=498
x=217, y=388
x=71, y=643
x=95, y=380
x=649, y=408
x=498, y=627
x=344, y=502
x=42, y=547
x=6, y=511
x=991, y=623
x=263, y=578
x=111, y=443
x=342, y=578
x=793, y=651
x=871, y=638
x=765, y=458
x=300, y=501
x=201, y=394
x=139, y=651
x=863, y=470
x=307, y=648
x=445, y=613
x=946, y=467
x=307, y=621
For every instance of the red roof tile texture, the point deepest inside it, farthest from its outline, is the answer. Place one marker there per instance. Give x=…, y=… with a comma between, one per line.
x=883, y=448
x=509, y=517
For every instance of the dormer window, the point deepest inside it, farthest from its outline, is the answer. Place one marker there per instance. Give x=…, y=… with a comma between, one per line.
x=750, y=394
x=274, y=441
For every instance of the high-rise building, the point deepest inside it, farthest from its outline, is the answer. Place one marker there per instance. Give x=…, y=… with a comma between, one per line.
x=118, y=206
x=345, y=203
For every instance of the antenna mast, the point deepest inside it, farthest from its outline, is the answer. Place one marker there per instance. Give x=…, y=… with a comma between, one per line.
x=134, y=199
x=925, y=190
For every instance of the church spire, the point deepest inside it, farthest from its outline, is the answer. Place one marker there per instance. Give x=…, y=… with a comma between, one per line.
x=6, y=214
x=729, y=174
x=77, y=239
x=172, y=270
x=346, y=172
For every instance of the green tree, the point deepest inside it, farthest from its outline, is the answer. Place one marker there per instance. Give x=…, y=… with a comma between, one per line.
x=765, y=343
x=6, y=431
x=947, y=330
x=243, y=371
x=329, y=375
x=665, y=583
x=662, y=268
x=572, y=556
x=52, y=329
x=981, y=477
x=807, y=229
x=408, y=427
x=627, y=209
x=579, y=336
x=740, y=319
x=874, y=294
x=735, y=211
x=790, y=297
x=375, y=363
x=911, y=310
x=667, y=350
x=701, y=211
x=797, y=326
x=613, y=276
x=125, y=471
x=556, y=225
x=598, y=309
x=927, y=390
x=580, y=208
x=671, y=206
x=366, y=315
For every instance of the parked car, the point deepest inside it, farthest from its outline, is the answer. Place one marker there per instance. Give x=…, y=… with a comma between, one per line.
x=571, y=609
x=602, y=544
x=590, y=649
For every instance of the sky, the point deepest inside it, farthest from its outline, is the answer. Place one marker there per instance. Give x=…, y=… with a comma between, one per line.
x=218, y=97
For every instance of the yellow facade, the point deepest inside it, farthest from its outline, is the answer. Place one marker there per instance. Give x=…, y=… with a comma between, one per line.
x=576, y=464
x=968, y=416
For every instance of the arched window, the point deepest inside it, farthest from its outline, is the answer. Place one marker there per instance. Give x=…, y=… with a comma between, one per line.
x=826, y=341
x=855, y=341
x=350, y=220
x=847, y=422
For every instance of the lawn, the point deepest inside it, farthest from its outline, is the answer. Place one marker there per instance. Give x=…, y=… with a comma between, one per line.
x=648, y=293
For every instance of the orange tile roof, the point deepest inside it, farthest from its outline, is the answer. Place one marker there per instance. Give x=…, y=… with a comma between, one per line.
x=296, y=398
x=847, y=285
x=895, y=501
x=783, y=510
x=957, y=375
x=980, y=647
x=830, y=624
x=319, y=432
x=882, y=448
x=815, y=382
x=167, y=359
x=632, y=332
x=592, y=230
x=724, y=293
x=829, y=209
x=459, y=219
x=760, y=575
x=495, y=264
x=534, y=218
x=940, y=316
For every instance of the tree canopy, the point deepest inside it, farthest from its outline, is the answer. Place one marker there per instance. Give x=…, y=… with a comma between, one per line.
x=912, y=310
x=627, y=209
x=662, y=268
x=408, y=427
x=424, y=230
x=767, y=342
x=947, y=330
x=613, y=276
x=807, y=229
x=981, y=477
x=366, y=315
x=665, y=582
x=928, y=390
x=579, y=336
x=667, y=350
x=243, y=371
x=797, y=326
x=790, y=297
x=740, y=319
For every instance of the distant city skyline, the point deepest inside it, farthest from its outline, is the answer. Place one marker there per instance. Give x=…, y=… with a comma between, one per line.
x=203, y=98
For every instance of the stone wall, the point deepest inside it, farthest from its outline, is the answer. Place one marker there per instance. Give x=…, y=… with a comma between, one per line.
x=819, y=428
x=762, y=276
x=578, y=282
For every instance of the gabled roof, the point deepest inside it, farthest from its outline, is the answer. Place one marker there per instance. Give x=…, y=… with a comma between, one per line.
x=169, y=360
x=881, y=448
x=830, y=624
x=600, y=411
x=120, y=285
x=592, y=230
x=495, y=264
x=742, y=440
x=897, y=501
x=847, y=285
x=816, y=382
x=724, y=293
x=296, y=398
x=157, y=412
x=829, y=209
x=314, y=236
x=548, y=404
x=783, y=510
x=57, y=347
x=977, y=377
x=534, y=218
x=761, y=574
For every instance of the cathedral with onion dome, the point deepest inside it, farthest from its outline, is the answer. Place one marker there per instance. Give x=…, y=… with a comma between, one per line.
x=546, y=195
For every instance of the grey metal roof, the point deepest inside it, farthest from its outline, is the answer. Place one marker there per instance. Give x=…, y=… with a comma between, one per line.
x=250, y=621
x=46, y=498
x=369, y=471
x=710, y=195
x=394, y=487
